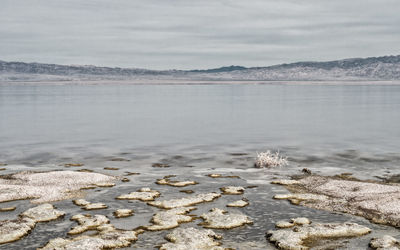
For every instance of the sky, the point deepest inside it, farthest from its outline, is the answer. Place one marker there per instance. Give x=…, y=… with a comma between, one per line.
x=188, y=34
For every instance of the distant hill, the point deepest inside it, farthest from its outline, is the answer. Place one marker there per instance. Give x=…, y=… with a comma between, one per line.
x=372, y=68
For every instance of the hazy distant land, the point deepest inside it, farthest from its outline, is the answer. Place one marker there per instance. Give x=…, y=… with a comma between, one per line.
x=373, y=69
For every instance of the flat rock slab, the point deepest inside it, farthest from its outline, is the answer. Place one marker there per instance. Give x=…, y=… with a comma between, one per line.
x=169, y=182
x=385, y=242
x=121, y=213
x=48, y=186
x=144, y=194
x=296, y=236
x=12, y=230
x=192, y=238
x=169, y=219
x=42, y=213
x=108, y=237
x=232, y=190
x=88, y=222
x=377, y=202
x=221, y=219
x=185, y=201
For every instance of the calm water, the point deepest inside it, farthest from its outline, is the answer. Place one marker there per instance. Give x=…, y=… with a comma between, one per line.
x=37, y=119
x=195, y=129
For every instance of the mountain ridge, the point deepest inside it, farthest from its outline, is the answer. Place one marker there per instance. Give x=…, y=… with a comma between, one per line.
x=370, y=68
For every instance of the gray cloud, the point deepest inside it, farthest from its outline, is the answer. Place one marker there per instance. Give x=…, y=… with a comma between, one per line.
x=196, y=34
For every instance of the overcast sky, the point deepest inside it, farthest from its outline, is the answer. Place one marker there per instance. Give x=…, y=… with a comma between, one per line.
x=185, y=34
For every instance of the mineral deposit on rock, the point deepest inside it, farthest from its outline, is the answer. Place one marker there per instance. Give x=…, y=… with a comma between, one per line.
x=185, y=201
x=170, y=219
x=88, y=222
x=239, y=203
x=192, y=238
x=107, y=238
x=377, y=202
x=296, y=236
x=232, y=190
x=48, y=186
x=120, y=213
x=169, y=182
x=385, y=242
x=144, y=194
x=44, y=212
x=220, y=219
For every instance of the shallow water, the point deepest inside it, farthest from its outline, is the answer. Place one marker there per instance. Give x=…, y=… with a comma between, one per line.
x=199, y=130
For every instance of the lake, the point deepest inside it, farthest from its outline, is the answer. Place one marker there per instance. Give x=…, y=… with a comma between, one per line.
x=197, y=130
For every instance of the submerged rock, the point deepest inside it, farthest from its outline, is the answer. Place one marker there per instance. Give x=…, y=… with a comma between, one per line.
x=232, y=190
x=48, y=186
x=73, y=165
x=296, y=237
x=108, y=238
x=120, y=213
x=192, y=238
x=167, y=181
x=185, y=201
x=88, y=222
x=221, y=219
x=170, y=219
x=385, y=242
x=239, y=203
x=377, y=202
x=144, y=194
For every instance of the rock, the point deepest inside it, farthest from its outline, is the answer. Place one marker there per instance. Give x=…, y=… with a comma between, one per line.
x=125, y=180
x=73, y=165
x=187, y=191
x=285, y=182
x=167, y=181
x=192, y=238
x=222, y=176
x=144, y=194
x=160, y=165
x=293, y=222
x=185, y=201
x=12, y=230
x=170, y=219
x=44, y=212
x=94, y=206
x=220, y=219
x=385, y=242
x=295, y=238
x=377, y=202
x=88, y=222
x=111, y=168
x=107, y=238
x=88, y=205
x=232, y=190
x=7, y=209
x=44, y=187
x=239, y=203
x=120, y=213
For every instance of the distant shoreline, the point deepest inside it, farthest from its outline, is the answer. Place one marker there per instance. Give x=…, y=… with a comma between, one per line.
x=204, y=82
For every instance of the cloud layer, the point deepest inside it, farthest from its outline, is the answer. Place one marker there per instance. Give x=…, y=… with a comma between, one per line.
x=196, y=34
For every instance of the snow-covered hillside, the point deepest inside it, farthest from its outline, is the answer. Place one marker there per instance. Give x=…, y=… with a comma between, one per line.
x=373, y=68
